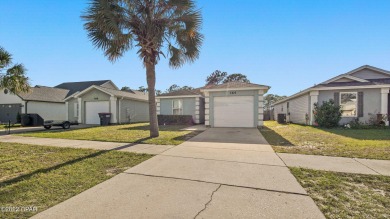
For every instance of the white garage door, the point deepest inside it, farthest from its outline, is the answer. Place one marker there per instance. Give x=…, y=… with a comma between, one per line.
x=236, y=111
x=93, y=108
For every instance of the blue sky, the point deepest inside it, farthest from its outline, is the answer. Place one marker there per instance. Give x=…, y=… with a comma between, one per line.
x=289, y=45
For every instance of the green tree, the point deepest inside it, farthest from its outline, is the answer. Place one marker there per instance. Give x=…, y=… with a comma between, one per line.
x=328, y=114
x=175, y=87
x=216, y=77
x=142, y=89
x=116, y=26
x=236, y=77
x=270, y=99
x=126, y=88
x=12, y=77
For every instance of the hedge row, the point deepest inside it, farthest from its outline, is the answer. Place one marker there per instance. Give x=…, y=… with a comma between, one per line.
x=175, y=120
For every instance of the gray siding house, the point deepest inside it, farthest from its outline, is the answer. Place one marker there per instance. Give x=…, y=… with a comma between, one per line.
x=125, y=106
x=233, y=104
x=77, y=102
x=362, y=93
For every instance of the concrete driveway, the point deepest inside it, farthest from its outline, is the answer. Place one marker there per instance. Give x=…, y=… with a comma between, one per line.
x=221, y=173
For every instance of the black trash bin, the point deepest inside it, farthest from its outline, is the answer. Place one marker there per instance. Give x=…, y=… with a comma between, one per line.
x=26, y=120
x=105, y=118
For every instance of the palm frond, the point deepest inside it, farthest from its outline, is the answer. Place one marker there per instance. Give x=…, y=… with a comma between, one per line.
x=5, y=58
x=15, y=79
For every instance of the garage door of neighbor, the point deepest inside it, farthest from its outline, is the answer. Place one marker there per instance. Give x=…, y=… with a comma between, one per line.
x=9, y=112
x=93, y=108
x=236, y=111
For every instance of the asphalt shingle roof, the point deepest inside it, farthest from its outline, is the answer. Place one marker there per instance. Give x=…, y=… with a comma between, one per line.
x=182, y=93
x=128, y=94
x=46, y=94
x=381, y=81
x=234, y=85
x=74, y=87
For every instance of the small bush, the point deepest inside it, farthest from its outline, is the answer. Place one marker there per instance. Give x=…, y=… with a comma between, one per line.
x=175, y=120
x=327, y=114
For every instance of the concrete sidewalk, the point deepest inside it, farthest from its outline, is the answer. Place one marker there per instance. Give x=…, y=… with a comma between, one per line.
x=221, y=173
x=337, y=164
x=98, y=145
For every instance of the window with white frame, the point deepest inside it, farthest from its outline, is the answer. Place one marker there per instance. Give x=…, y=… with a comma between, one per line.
x=177, y=107
x=348, y=103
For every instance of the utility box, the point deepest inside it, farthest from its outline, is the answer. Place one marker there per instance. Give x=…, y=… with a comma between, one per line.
x=31, y=119
x=105, y=118
x=282, y=118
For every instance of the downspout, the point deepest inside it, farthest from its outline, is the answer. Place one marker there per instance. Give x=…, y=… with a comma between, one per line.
x=25, y=107
x=119, y=111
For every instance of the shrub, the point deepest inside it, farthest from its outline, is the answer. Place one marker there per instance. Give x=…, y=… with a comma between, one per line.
x=175, y=120
x=327, y=114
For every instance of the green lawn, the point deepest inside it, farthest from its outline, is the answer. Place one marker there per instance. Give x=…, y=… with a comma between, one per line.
x=342, y=195
x=13, y=126
x=300, y=139
x=42, y=176
x=131, y=133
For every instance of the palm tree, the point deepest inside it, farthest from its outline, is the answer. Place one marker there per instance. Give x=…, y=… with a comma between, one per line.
x=14, y=79
x=116, y=26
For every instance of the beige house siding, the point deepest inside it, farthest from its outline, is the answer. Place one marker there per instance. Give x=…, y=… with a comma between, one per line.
x=369, y=74
x=280, y=109
x=48, y=111
x=71, y=110
x=133, y=111
x=91, y=96
x=298, y=108
x=109, y=85
x=371, y=103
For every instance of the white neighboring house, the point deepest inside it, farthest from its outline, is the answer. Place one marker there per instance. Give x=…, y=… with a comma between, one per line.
x=362, y=94
x=77, y=102
x=48, y=102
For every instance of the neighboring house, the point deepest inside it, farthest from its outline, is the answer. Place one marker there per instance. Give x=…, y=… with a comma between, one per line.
x=78, y=101
x=48, y=102
x=362, y=93
x=182, y=102
x=233, y=104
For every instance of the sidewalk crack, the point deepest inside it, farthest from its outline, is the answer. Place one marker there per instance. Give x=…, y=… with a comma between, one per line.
x=211, y=198
x=366, y=166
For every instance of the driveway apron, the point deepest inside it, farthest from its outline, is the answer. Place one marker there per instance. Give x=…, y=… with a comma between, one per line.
x=221, y=173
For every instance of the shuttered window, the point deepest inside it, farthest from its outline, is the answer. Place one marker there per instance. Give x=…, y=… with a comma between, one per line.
x=360, y=104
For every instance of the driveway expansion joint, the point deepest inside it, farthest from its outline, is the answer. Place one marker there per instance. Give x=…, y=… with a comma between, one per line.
x=207, y=204
x=229, y=161
x=217, y=183
x=367, y=166
x=233, y=149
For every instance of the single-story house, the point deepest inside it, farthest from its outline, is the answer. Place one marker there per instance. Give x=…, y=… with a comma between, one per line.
x=48, y=102
x=78, y=102
x=233, y=104
x=362, y=93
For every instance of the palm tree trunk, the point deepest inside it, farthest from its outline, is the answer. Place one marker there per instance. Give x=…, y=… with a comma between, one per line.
x=151, y=79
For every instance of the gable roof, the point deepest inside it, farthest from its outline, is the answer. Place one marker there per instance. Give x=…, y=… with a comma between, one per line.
x=126, y=94
x=195, y=92
x=117, y=93
x=74, y=87
x=349, y=74
x=234, y=84
x=45, y=94
x=356, y=82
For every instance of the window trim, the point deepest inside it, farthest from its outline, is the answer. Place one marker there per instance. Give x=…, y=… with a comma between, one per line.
x=356, y=104
x=180, y=104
